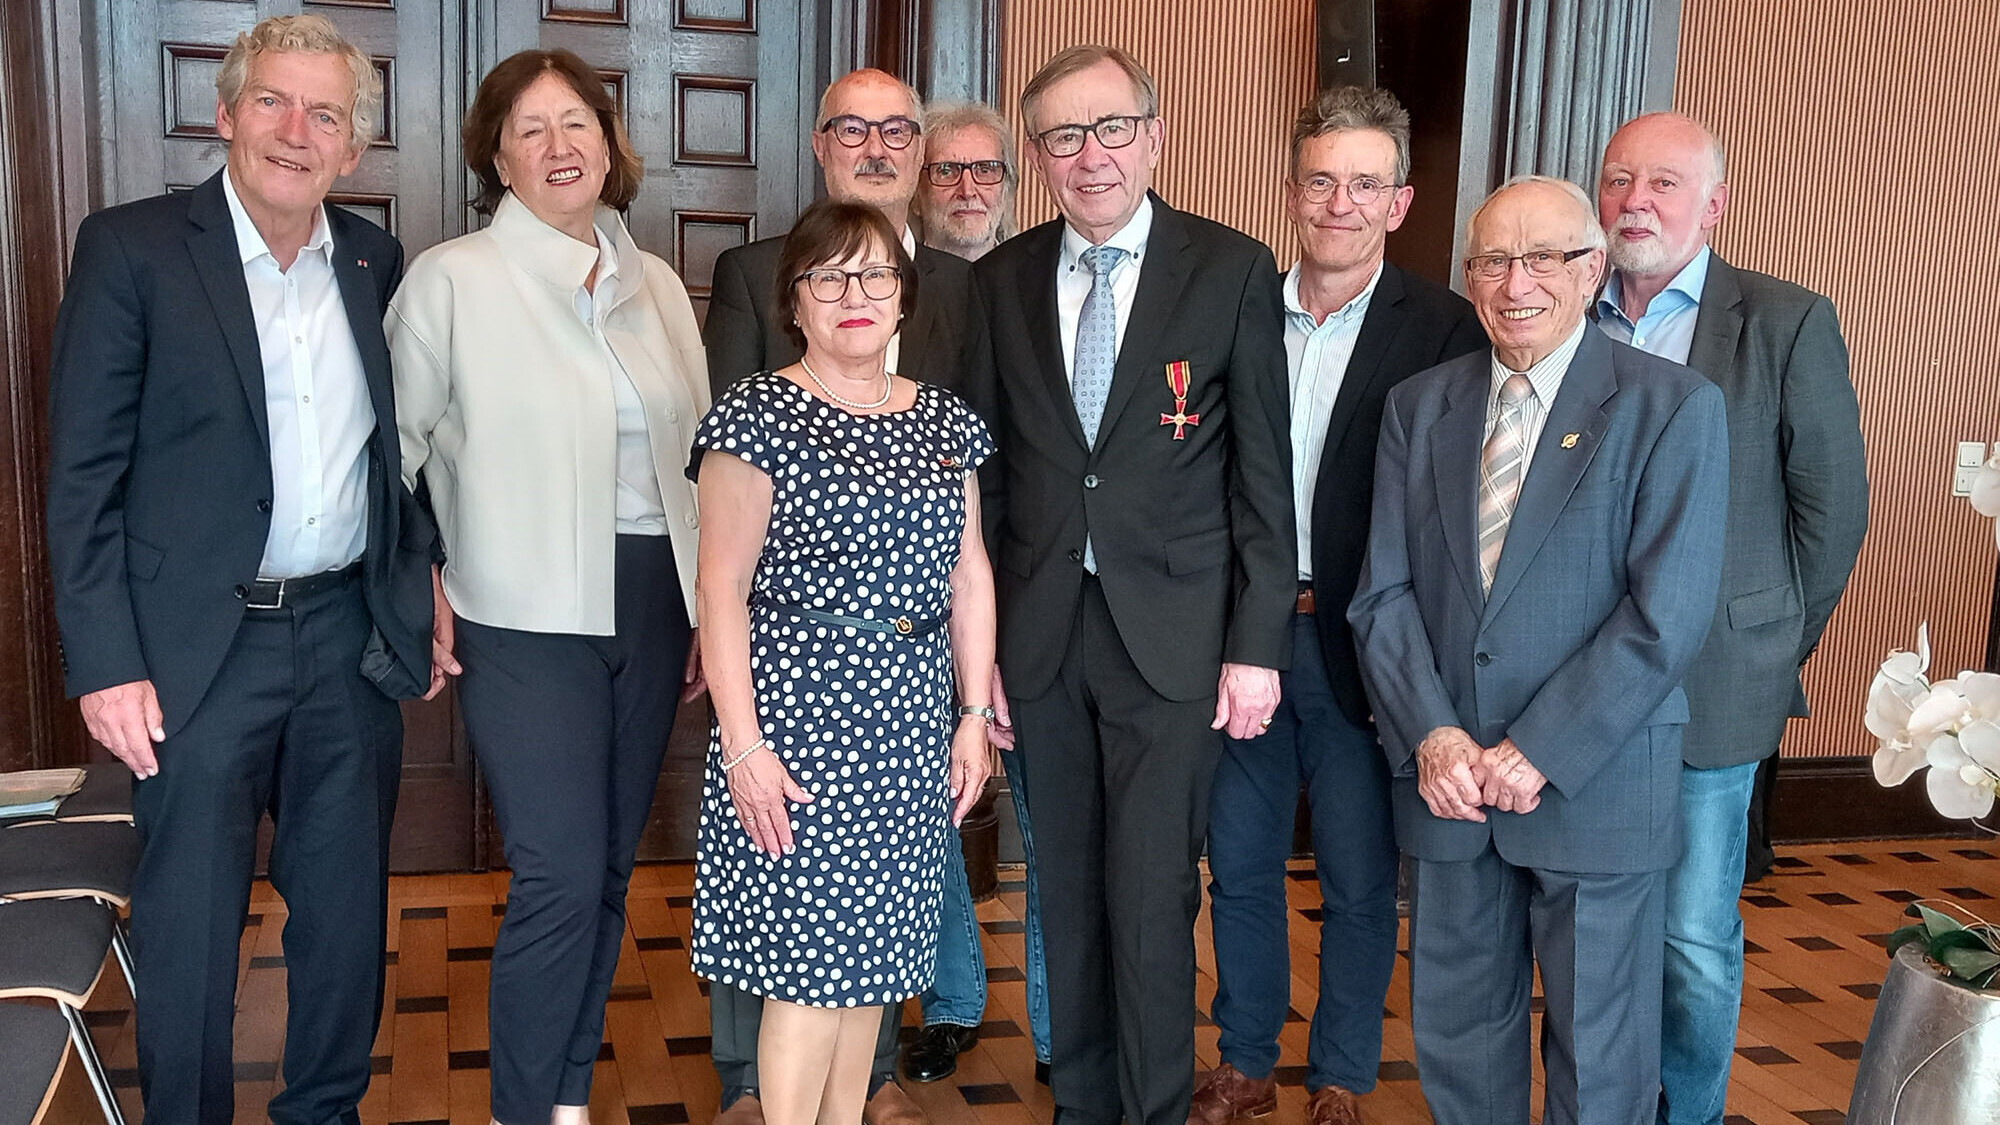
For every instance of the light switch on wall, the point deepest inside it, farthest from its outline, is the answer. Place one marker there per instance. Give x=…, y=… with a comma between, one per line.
x=1965, y=469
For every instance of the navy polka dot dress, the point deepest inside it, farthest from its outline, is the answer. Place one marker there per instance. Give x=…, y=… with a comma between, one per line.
x=867, y=514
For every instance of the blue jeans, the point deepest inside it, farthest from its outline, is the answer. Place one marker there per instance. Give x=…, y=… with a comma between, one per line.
x=1704, y=966
x=1252, y=808
x=958, y=994
x=1038, y=971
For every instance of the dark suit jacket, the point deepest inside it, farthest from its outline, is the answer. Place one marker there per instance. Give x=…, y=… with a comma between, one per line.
x=1411, y=324
x=1798, y=505
x=1604, y=592
x=744, y=333
x=1194, y=538
x=160, y=474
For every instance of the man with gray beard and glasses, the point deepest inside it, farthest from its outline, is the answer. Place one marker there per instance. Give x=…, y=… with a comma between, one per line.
x=1798, y=507
x=966, y=202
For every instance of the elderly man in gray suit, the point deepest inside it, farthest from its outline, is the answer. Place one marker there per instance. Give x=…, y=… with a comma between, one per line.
x=1798, y=508
x=1542, y=567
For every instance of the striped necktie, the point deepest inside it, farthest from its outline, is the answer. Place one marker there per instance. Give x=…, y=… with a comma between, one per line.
x=1501, y=468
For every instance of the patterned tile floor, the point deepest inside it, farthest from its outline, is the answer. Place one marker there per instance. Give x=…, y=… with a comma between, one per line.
x=1815, y=963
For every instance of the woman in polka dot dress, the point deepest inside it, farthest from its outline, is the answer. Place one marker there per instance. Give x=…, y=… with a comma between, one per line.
x=846, y=606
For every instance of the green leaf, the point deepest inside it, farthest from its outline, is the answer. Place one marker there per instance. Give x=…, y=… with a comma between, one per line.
x=1957, y=939
x=1905, y=936
x=1937, y=922
x=1969, y=964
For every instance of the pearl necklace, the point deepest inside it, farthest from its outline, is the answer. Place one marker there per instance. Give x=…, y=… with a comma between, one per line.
x=888, y=385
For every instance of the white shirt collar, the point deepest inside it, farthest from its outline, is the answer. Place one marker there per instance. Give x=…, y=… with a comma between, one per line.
x=1546, y=374
x=250, y=244
x=909, y=242
x=1130, y=238
x=1295, y=307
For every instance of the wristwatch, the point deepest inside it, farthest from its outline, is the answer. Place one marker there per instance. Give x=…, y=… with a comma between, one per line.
x=986, y=713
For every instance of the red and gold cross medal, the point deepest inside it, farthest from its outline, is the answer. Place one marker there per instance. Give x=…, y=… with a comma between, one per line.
x=1180, y=419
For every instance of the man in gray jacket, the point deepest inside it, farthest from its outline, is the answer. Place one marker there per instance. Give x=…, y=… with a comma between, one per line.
x=1798, y=507
x=1542, y=564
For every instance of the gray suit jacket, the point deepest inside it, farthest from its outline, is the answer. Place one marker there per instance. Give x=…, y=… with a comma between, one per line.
x=1604, y=592
x=1798, y=506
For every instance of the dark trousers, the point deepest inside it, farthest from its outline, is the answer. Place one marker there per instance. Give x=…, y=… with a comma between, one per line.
x=1119, y=779
x=1311, y=742
x=289, y=726
x=1477, y=931
x=570, y=731
x=733, y=1019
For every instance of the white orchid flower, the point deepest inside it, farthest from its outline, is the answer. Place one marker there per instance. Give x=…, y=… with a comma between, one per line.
x=1982, y=694
x=1896, y=760
x=1942, y=709
x=1906, y=667
x=1960, y=785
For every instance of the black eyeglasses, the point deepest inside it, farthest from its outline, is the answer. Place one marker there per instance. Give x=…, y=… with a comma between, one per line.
x=945, y=173
x=1538, y=263
x=878, y=283
x=1115, y=131
x=1362, y=191
x=852, y=131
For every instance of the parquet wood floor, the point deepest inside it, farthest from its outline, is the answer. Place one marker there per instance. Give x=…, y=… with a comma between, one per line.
x=1814, y=965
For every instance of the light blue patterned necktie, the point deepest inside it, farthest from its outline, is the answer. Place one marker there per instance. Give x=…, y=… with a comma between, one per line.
x=1096, y=354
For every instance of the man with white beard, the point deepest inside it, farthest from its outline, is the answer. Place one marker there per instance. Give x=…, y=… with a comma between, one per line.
x=1798, y=507
x=966, y=201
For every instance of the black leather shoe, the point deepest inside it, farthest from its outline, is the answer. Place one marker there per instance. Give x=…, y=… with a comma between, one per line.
x=934, y=1054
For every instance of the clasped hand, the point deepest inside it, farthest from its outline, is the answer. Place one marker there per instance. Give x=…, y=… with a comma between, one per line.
x=1458, y=778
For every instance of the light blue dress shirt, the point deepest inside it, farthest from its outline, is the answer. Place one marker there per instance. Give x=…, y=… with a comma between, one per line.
x=1667, y=328
x=1317, y=353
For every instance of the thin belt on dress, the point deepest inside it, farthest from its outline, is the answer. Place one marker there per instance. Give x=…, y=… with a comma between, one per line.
x=901, y=626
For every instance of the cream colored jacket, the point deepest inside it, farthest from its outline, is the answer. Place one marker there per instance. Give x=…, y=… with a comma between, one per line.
x=504, y=403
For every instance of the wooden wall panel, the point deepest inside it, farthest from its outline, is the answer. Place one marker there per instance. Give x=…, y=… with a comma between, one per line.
x=1862, y=165
x=1231, y=77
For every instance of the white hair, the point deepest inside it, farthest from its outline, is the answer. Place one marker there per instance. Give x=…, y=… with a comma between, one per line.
x=1591, y=233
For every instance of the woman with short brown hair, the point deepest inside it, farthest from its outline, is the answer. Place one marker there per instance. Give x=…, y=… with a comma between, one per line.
x=849, y=610
x=549, y=375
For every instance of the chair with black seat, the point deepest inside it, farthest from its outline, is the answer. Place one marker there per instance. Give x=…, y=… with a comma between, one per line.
x=106, y=796
x=43, y=859
x=54, y=949
x=33, y=1048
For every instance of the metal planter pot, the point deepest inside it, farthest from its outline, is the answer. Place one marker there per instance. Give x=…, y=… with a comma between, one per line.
x=1933, y=1051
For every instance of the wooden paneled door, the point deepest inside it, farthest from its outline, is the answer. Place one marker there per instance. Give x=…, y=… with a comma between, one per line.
x=712, y=92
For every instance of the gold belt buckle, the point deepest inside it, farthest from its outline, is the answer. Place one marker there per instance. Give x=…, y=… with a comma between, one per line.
x=905, y=626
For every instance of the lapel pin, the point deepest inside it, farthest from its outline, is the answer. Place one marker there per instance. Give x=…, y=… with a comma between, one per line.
x=362, y=262
x=1569, y=441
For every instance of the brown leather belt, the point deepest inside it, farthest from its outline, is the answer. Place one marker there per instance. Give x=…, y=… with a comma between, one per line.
x=1306, y=600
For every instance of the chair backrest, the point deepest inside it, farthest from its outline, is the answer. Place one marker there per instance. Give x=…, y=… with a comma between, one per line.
x=34, y=1046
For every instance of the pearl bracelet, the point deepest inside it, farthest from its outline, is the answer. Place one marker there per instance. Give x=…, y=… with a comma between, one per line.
x=732, y=763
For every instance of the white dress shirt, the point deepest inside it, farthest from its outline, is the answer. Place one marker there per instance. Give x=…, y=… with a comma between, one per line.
x=895, y=351
x=1073, y=278
x=1547, y=378
x=1317, y=353
x=640, y=510
x=316, y=400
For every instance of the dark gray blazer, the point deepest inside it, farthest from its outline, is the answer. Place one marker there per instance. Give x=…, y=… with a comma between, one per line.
x=1412, y=324
x=1603, y=595
x=744, y=333
x=1798, y=505
x=160, y=471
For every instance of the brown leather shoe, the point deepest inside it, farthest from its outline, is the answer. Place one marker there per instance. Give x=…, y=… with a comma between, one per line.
x=1332, y=1105
x=746, y=1110
x=891, y=1106
x=1226, y=1093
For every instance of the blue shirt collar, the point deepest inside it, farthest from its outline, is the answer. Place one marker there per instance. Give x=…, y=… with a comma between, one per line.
x=1688, y=283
